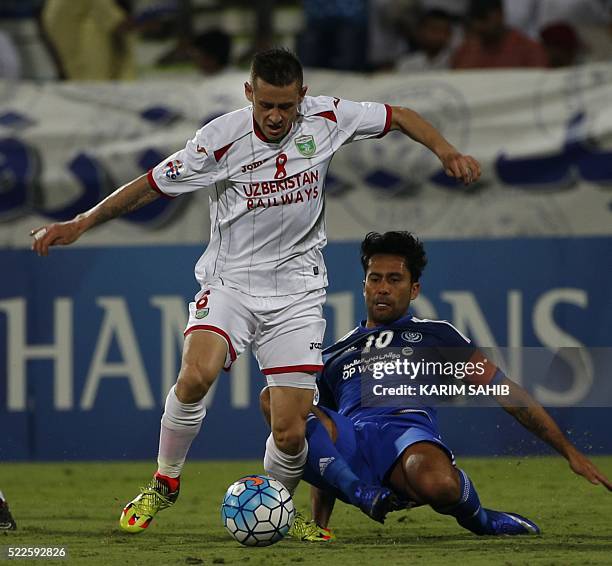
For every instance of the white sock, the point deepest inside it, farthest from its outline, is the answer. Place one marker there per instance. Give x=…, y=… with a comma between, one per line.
x=285, y=468
x=180, y=424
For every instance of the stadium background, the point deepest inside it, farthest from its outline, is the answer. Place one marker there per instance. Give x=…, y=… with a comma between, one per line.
x=90, y=336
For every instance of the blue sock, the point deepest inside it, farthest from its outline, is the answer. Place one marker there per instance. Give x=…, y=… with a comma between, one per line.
x=468, y=511
x=324, y=459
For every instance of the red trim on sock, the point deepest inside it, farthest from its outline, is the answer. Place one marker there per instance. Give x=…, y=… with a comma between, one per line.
x=172, y=483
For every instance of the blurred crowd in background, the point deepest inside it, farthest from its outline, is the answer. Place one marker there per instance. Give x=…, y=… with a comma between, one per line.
x=129, y=39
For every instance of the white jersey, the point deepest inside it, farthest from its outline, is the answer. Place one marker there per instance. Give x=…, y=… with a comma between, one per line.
x=266, y=199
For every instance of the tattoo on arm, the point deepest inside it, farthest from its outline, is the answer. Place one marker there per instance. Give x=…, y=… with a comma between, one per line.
x=124, y=200
x=530, y=421
x=535, y=419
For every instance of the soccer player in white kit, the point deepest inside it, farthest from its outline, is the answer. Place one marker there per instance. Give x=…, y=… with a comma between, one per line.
x=262, y=275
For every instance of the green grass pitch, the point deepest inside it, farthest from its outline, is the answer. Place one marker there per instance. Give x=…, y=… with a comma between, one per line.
x=78, y=504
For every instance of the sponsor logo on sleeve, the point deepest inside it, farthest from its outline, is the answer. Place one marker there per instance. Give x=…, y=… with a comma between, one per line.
x=173, y=169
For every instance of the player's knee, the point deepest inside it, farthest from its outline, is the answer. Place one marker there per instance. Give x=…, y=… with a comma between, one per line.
x=289, y=439
x=439, y=489
x=194, y=381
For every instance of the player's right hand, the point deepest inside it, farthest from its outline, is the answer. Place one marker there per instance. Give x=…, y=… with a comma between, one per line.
x=462, y=167
x=58, y=234
x=582, y=466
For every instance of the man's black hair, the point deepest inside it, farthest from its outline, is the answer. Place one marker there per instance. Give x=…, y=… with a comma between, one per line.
x=436, y=14
x=278, y=67
x=217, y=44
x=403, y=244
x=482, y=8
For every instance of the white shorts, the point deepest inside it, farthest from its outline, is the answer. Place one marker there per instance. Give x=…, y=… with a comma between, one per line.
x=285, y=333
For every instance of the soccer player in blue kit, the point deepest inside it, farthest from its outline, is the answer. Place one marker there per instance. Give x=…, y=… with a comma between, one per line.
x=384, y=456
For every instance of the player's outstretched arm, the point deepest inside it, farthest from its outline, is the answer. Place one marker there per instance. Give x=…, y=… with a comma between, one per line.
x=127, y=198
x=526, y=410
x=457, y=165
x=322, y=506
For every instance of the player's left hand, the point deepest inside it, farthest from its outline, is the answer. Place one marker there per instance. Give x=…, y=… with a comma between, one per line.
x=582, y=466
x=461, y=167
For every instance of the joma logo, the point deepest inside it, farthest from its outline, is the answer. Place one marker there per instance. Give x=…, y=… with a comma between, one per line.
x=251, y=166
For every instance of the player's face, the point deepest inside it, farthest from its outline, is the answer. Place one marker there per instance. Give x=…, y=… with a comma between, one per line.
x=388, y=289
x=275, y=108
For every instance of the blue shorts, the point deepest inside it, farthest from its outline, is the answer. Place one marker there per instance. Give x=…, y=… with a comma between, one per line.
x=373, y=445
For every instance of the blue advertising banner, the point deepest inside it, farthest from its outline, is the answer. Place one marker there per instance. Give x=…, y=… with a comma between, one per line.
x=90, y=342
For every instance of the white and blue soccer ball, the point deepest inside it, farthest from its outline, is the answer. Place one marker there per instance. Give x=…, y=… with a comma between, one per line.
x=257, y=510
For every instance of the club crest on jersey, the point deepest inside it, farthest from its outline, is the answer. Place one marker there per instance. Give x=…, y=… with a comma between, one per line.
x=201, y=313
x=173, y=169
x=412, y=336
x=306, y=145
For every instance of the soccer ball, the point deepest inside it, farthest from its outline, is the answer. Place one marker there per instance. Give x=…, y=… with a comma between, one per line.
x=257, y=511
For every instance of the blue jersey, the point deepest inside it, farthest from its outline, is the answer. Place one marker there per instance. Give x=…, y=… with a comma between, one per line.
x=349, y=363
